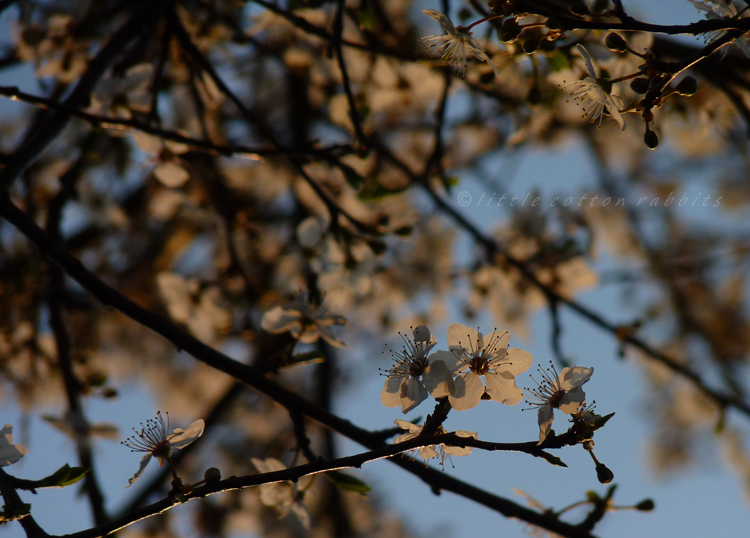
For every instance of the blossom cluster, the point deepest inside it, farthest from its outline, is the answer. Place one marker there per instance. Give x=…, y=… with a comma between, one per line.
x=476, y=367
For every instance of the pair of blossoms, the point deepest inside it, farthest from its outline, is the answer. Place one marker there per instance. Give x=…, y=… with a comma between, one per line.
x=592, y=94
x=458, y=374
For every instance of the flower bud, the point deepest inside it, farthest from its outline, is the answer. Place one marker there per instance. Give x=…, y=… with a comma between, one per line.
x=615, y=43
x=530, y=46
x=652, y=140
x=646, y=505
x=509, y=31
x=212, y=475
x=603, y=474
x=687, y=86
x=639, y=85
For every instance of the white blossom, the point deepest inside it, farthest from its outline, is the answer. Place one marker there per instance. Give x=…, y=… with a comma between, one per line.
x=561, y=392
x=594, y=99
x=454, y=46
x=441, y=451
x=154, y=441
x=473, y=357
x=284, y=496
x=719, y=9
x=415, y=376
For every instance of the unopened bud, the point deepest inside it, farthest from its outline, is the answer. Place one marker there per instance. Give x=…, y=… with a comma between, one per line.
x=509, y=31
x=212, y=475
x=603, y=474
x=646, y=505
x=530, y=46
x=639, y=85
x=687, y=86
x=615, y=42
x=651, y=140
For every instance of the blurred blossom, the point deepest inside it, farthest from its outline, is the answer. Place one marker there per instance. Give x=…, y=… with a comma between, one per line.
x=306, y=321
x=9, y=453
x=284, y=496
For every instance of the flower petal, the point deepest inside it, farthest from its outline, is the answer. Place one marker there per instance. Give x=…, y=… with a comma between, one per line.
x=413, y=393
x=444, y=22
x=571, y=401
x=329, y=336
x=574, y=377
x=391, y=395
x=587, y=58
x=437, y=378
x=180, y=438
x=9, y=453
x=502, y=390
x=517, y=361
x=144, y=461
x=545, y=417
x=278, y=320
x=468, y=391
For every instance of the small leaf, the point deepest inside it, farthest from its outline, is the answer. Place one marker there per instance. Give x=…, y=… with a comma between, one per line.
x=554, y=460
x=348, y=482
x=601, y=421
x=64, y=476
x=365, y=17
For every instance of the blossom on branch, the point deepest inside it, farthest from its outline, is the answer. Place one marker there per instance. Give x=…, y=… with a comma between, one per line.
x=473, y=357
x=154, y=441
x=594, y=94
x=555, y=391
x=284, y=496
x=441, y=450
x=719, y=9
x=454, y=46
x=306, y=321
x=414, y=376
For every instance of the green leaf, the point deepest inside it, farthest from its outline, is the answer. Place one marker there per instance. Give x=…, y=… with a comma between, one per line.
x=365, y=17
x=601, y=421
x=64, y=476
x=554, y=460
x=348, y=482
x=558, y=62
x=375, y=192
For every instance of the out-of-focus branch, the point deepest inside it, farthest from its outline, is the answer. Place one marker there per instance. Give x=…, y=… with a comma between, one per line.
x=145, y=15
x=108, y=296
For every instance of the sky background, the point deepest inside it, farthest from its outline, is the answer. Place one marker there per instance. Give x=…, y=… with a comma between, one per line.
x=704, y=500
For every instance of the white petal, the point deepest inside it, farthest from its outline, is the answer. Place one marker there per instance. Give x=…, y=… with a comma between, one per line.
x=302, y=514
x=428, y=452
x=144, y=461
x=444, y=21
x=571, y=401
x=468, y=391
x=517, y=361
x=329, y=336
x=422, y=334
x=413, y=393
x=448, y=358
x=278, y=320
x=391, y=395
x=503, y=390
x=180, y=438
x=171, y=174
x=545, y=417
x=437, y=378
x=408, y=426
x=587, y=57
x=574, y=377
x=456, y=450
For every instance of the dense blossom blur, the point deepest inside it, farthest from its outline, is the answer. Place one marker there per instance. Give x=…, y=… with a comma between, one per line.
x=293, y=184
